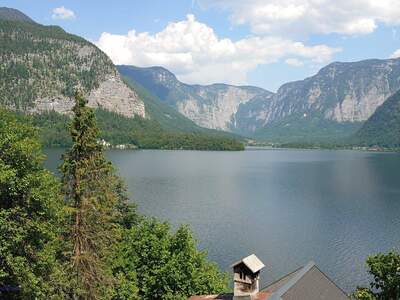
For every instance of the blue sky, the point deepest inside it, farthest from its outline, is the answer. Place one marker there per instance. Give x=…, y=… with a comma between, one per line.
x=257, y=42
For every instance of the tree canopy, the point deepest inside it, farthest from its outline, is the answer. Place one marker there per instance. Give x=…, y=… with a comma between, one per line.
x=385, y=271
x=164, y=265
x=30, y=211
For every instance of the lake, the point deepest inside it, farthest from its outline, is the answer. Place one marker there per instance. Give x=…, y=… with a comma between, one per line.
x=286, y=206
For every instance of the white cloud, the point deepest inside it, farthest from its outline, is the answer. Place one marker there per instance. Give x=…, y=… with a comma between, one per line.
x=395, y=54
x=195, y=54
x=62, y=13
x=294, y=62
x=294, y=17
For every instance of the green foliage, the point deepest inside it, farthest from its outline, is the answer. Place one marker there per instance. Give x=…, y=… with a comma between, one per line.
x=385, y=270
x=53, y=129
x=90, y=189
x=165, y=115
x=167, y=265
x=144, y=133
x=149, y=262
x=92, y=245
x=383, y=127
x=363, y=294
x=310, y=129
x=30, y=212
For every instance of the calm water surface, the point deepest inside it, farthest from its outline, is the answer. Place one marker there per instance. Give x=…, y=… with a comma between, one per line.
x=286, y=206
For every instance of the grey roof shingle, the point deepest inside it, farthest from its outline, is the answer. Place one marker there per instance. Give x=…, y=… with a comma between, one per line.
x=307, y=283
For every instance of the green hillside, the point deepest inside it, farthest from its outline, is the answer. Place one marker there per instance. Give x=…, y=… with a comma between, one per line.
x=383, y=127
x=168, y=117
x=139, y=132
x=312, y=128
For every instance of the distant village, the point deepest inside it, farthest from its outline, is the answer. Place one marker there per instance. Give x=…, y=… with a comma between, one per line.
x=108, y=145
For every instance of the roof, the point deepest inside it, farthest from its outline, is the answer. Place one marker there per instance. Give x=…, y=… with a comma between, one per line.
x=305, y=283
x=263, y=295
x=308, y=283
x=252, y=262
x=212, y=297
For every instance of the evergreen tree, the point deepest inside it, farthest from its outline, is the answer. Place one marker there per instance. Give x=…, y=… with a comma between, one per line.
x=92, y=193
x=30, y=211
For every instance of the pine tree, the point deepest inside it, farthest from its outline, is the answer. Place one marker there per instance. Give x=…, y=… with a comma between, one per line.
x=91, y=191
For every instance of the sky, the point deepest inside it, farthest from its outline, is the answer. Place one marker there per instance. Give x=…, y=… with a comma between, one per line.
x=245, y=42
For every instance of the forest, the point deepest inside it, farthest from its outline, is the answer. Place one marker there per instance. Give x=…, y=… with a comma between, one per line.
x=80, y=236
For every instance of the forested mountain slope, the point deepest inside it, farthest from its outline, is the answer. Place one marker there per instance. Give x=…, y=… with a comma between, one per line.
x=383, y=127
x=42, y=65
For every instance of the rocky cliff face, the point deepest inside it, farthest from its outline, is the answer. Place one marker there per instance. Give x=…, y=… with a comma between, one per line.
x=42, y=65
x=211, y=106
x=112, y=95
x=340, y=92
x=251, y=115
x=215, y=105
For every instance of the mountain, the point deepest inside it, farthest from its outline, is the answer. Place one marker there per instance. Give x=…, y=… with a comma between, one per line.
x=329, y=106
x=249, y=116
x=169, y=118
x=41, y=66
x=332, y=104
x=383, y=127
x=211, y=106
x=12, y=14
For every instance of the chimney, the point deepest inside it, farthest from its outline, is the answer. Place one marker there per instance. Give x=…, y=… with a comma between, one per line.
x=246, y=278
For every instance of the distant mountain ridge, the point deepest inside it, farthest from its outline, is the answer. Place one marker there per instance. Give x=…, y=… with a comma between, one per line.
x=212, y=106
x=334, y=103
x=340, y=93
